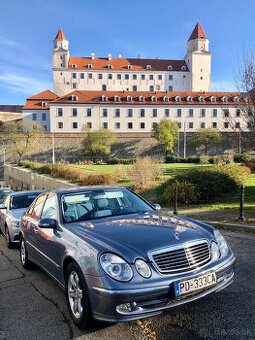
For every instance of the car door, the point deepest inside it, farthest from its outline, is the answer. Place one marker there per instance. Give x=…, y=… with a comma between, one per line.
x=49, y=241
x=31, y=226
x=3, y=213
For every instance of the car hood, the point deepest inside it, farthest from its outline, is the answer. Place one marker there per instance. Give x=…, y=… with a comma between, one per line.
x=138, y=234
x=16, y=214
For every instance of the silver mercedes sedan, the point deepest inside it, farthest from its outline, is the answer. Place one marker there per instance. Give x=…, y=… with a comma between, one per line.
x=119, y=258
x=13, y=207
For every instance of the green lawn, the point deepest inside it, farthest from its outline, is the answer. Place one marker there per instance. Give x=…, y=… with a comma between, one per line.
x=230, y=201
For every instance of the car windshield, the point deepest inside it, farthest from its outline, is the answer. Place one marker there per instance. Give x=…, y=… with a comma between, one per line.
x=22, y=201
x=92, y=204
x=4, y=193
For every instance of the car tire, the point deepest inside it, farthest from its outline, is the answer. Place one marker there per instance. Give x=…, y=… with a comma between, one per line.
x=77, y=296
x=10, y=244
x=23, y=254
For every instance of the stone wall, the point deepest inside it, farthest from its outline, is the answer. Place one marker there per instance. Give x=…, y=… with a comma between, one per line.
x=24, y=179
x=128, y=145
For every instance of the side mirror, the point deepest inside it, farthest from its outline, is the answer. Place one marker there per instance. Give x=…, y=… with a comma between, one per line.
x=49, y=223
x=2, y=206
x=156, y=206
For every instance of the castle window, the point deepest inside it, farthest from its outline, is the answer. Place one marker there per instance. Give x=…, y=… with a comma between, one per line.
x=142, y=113
x=126, y=76
x=105, y=125
x=154, y=112
x=170, y=68
x=109, y=76
x=202, y=112
x=134, y=88
x=104, y=98
x=226, y=124
x=103, y=87
x=74, y=75
x=214, y=125
x=88, y=112
x=134, y=76
x=153, y=99
x=74, y=66
x=148, y=67
x=160, y=77
x=117, y=125
x=201, y=99
x=191, y=113
x=129, y=67
x=82, y=75
x=130, y=113
x=60, y=125
x=213, y=99
x=44, y=127
x=151, y=77
x=183, y=68
x=190, y=125
x=75, y=125
x=60, y=112
x=74, y=112
x=43, y=116
x=74, y=98
x=130, y=125
x=90, y=76
x=141, y=98
x=117, y=112
x=177, y=98
x=105, y=113
x=90, y=66
x=129, y=98
x=142, y=125
x=143, y=76
x=170, y=77
x=110, y=66
x=189, y=99
x=180, y=125
x=151, y=88
x=202, y=125
x=167, y=113
x=184, y=76
x=170, y=88
x=236, y=99
x=119, y=76
x=224, y=99
x=237, y=125
x=179, y=112
x=238, y=112
x=165, y=98
x=201, y=78
x=117, y=98
x=34, y=116
x=44, y=104
x=100, y=76
x=74, y=85
x=215, y=113
x=226, y=113
x=89, y=125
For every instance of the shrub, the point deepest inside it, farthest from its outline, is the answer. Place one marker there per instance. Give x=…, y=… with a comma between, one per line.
x=174, y=159
x=221, y=159
x=99, y=179
x=121, y=161
x=121, y=172
x=251, y=165
x=242, y=157
x=157, y=169
x=186, y=193
x=142, y=173
x=211, y=183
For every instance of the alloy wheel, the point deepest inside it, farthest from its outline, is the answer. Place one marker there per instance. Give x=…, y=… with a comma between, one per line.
x=75, y=294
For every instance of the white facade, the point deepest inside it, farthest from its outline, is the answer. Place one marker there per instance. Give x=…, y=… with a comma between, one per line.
x=41, y=117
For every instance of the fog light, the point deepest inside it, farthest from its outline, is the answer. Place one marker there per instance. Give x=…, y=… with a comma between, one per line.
x=124, y=308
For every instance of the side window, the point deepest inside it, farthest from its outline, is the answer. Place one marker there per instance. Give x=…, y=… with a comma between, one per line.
x=50, y=208
x=37, y=207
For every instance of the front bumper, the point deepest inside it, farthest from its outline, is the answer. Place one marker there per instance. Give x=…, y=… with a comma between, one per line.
x=14, y=233
x=153, y=300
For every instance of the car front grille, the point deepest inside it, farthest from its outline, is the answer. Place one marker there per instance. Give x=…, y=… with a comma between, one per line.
x=184, y=258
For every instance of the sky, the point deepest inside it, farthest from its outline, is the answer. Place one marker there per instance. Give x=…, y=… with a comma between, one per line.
x=153, y=29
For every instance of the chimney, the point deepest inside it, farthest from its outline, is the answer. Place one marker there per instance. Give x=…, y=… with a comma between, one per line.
x=120, y=55
x=92, y=55
x=138, y=56
x=109, y=56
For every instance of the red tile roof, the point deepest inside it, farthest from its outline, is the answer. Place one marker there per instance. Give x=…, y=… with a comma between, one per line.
x=95, y=97
x=197, y=33
x=60, y=35
x=35, y=102
x=122, y=64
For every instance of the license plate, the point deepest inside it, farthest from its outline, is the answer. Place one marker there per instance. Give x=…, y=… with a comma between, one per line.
x=197, y=283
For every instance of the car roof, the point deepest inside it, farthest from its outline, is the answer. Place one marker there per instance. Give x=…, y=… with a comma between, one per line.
x=81, y=189
x=26, y=192
x=3, y=189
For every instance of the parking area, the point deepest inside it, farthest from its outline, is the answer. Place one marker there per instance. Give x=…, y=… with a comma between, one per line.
x=34, y=307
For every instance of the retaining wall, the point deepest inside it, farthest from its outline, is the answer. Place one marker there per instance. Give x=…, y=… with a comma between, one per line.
x=24, y=179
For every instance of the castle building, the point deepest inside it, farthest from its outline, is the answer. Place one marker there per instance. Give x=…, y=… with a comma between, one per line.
x=130, y=95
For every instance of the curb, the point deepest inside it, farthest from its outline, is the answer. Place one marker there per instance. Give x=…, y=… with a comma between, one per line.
x=232, y=226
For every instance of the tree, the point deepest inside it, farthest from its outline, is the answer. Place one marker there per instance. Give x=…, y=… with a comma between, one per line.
x=20, y=137
x=166, y=133
x=97, y=143
x=206, y=138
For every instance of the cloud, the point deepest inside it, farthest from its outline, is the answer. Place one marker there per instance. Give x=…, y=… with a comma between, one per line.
x=23, y=84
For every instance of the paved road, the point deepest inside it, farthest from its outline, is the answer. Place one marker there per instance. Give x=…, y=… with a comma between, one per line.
x=32, y=306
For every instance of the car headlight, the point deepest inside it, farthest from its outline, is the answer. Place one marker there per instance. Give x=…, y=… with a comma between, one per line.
x=224, y=249
x=215, y=251
x=116, y=267
x=143, y=268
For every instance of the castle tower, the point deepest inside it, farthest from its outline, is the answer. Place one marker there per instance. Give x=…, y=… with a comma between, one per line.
x=198, y=60
x=60, y=51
